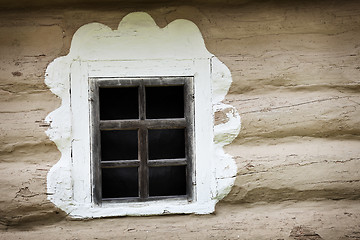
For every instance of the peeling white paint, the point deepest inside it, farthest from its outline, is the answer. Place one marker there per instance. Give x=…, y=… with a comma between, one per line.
x=138, y=48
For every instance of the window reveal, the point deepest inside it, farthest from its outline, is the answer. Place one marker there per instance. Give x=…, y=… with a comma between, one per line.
x=142, y=138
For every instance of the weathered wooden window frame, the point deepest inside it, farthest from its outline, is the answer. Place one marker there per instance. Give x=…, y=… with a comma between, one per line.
x=142, y=124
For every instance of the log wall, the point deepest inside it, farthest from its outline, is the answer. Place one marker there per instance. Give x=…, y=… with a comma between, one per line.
x=295, y=68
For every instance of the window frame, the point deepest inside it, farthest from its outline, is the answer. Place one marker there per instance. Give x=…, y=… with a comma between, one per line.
x=142, y=124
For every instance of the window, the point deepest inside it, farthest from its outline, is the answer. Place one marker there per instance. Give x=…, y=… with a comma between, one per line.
x=134, y=143
x=141, y=138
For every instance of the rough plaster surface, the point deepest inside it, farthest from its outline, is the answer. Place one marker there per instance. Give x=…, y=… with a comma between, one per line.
x=295, y=69
x=330, y=220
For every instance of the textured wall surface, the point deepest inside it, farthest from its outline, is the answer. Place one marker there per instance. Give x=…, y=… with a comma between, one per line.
x=295, y=68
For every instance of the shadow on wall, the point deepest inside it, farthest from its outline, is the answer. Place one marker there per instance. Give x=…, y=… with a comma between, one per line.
x=264, y=194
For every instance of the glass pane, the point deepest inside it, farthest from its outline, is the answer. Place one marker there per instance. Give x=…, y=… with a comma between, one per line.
x=119, y=145
x=166, y=143
x=119, y=182
x=119, y=103
x=164, y=102
x=167, y=181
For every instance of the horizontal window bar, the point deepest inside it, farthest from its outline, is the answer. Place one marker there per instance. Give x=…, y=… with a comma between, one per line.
x=167, y=162
x=163, y=82
x=148, y=123
x=116, y=82
x=137, y=81
x=151, y=163
x=137, y=199
x=120, y=163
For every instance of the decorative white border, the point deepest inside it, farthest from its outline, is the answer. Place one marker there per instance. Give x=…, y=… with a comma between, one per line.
x=138, y=48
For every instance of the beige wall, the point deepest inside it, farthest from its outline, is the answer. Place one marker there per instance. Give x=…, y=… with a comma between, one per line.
x=296, y=73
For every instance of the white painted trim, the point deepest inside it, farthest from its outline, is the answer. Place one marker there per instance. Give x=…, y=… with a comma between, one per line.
x=138, y=48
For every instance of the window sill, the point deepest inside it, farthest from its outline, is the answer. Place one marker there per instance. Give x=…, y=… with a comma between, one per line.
x=158, y=207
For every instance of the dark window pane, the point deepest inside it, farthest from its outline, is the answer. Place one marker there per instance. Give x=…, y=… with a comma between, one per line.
x=164, y=102
x=119, y=145
x=167, y=181
x=166, y=143
x=119, y=182
x=119, y=103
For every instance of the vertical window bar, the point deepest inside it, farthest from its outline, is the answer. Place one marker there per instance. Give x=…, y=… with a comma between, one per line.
x=143, y=169
x=143, y=147
x=142, y=103
x=189, y=113
x=95, y=143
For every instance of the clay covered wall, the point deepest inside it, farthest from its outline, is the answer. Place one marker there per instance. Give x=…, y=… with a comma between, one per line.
x=295, y=68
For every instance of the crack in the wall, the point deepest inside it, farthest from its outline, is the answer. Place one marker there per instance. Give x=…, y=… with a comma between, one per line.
x=296, y=105
x=333, y=181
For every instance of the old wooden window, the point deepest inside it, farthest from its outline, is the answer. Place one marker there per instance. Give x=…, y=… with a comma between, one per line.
x=141, y=138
